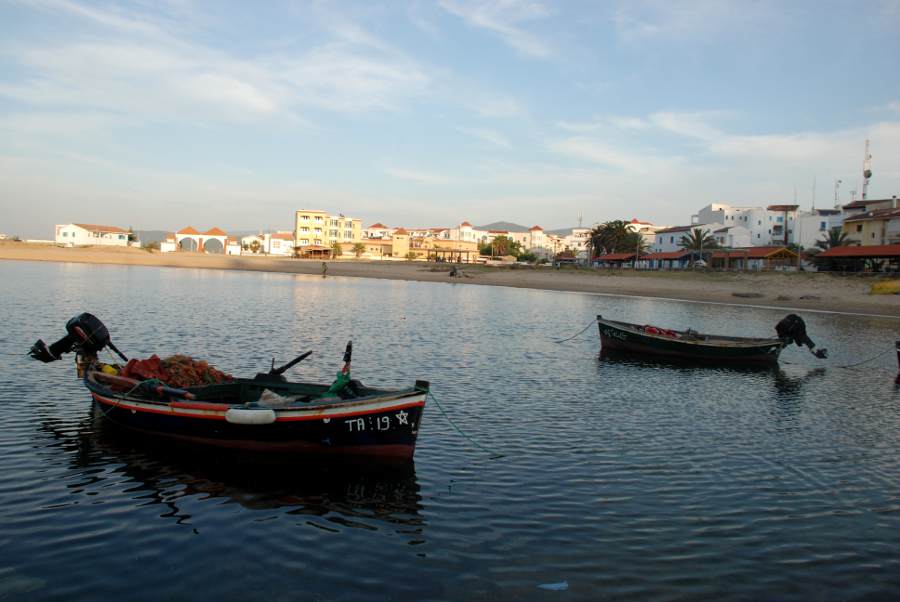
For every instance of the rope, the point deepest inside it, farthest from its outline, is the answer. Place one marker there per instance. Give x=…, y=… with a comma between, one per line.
x=868, y=360
x=580, y=332
x=494, y=454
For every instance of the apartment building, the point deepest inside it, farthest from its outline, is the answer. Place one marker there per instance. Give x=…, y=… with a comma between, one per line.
x=318, y=228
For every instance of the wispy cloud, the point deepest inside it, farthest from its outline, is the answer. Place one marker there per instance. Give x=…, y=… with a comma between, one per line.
x=640, y=20
x=503, y=18
x=489, y=136
x=610, y=156
x=412, y=175
x=142, y=70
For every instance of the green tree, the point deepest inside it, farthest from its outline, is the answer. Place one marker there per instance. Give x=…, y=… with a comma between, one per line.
x=255, y=246
x=611, y=237
x=698, y=241
x=501, y=245
x=527, y=256
x=336, y=249
x=834, y=238
x=132, y=237
x=358, y=249
x=411, y=255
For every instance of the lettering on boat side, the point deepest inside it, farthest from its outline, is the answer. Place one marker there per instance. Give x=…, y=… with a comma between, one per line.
x=615, y=334
x=376, y=423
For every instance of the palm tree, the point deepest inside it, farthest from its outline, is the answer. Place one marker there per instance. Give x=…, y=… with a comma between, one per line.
x=834, y=238
x=336, y=249
x=359, y=249
x=698, y=240
x=611, y=236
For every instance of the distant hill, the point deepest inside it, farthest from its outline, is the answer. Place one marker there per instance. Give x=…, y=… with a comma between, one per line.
x=561, y=231
x=508, y=226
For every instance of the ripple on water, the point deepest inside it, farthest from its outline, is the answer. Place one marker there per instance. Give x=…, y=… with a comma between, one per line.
x=624, y=479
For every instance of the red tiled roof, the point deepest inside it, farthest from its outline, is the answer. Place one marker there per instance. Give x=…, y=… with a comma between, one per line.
x=751, y=252
x=378, y=226
x=400, y=231
x=464, y=224
x=215, y=232
x=862, y=204
x=283, y=236
x=635, y=220
x=97, y=228
x=668, y=255
x=535, y=229
x=876, y=214
x=870, y=251
x=616, y=257
x=231, y=241
x=188, y=230
x=783, y=207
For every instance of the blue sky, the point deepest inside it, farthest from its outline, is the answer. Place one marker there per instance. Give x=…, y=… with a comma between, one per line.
x=160, y=114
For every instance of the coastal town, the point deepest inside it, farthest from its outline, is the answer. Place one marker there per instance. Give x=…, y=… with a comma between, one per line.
x=719, y=235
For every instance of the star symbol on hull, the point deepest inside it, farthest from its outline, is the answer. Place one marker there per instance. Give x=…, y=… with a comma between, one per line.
x=402, y=416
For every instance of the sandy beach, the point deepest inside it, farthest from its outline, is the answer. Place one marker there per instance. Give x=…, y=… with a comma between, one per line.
x=809, y=291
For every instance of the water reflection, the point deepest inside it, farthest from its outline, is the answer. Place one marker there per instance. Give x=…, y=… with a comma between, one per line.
x=343, y=493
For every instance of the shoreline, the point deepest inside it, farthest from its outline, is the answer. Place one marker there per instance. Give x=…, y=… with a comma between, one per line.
x=800, y=291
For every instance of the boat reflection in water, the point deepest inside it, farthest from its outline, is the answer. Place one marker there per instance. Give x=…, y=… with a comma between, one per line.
x=371, y=495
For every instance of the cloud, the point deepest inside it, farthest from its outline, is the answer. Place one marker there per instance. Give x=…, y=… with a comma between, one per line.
x=502, y=17
x=143, y=71
x=641, y=20
x=421, y=177
x=612, y=157
x=489, y=136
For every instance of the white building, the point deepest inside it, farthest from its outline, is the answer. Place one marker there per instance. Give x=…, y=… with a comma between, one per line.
x=813, y=226
x=378, y=230
x=733, y=237
x=771, y=225
x=269, y=243
x=73, y=235
x=213, y=241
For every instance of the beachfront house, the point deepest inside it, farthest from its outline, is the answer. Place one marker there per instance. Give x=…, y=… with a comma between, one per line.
x=874, y=228
x=319, y=230
x=669, y=239
x=76, y=235
x=754, y=259
x=770, y=225
x=813, y=226
x=212, y=241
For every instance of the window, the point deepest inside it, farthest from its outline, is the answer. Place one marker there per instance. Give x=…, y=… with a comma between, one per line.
x=318, y=218
x=304, y=241
x=822, y=226
x=780, y=219
x=318, y=230
x=333, y=233
x=304, y=229
x=65, y=234
x=305, y=218
x=859, y=227
x=121, y=237
x=759, y=222
x=671, y=240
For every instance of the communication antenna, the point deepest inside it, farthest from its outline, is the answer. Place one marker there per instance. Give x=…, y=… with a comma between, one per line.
x=579, y=219
x=867, y=170
x=814, y=193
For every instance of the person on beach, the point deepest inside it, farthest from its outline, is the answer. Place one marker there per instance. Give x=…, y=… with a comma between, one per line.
x=324, y=269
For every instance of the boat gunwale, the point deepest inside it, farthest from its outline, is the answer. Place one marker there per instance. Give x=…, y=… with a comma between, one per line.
x=310, y=407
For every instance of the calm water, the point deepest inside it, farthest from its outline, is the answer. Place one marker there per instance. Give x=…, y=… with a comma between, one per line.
x=621, y=480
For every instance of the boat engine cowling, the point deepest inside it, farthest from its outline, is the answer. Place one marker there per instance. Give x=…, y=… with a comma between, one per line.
x=85, y=333
x=792, y=329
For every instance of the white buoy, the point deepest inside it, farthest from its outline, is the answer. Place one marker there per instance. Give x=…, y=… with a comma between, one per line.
x=242, y=416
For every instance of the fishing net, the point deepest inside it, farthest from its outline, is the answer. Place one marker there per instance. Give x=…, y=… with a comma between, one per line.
x=176, y=371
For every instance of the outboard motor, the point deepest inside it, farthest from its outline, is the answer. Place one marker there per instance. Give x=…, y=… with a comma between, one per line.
x=87, y=335
x=792, y=329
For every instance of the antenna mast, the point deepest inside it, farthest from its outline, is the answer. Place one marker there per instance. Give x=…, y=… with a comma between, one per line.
x=579, y=219
x=867, y=170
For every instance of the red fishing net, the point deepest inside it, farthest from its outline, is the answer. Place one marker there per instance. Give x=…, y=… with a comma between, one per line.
x=176, y=371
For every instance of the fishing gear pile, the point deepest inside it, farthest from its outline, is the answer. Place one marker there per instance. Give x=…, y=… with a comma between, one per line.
x=176, y=371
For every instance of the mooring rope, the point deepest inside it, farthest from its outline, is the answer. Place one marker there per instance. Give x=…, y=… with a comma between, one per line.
x=579, y=333
x=494, y=454
x=885, y=352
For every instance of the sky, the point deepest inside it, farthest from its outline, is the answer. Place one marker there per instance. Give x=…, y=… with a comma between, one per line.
x=160, y=114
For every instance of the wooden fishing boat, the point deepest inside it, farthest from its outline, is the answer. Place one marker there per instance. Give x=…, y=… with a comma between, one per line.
x=689, y=345
x=261, y=414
